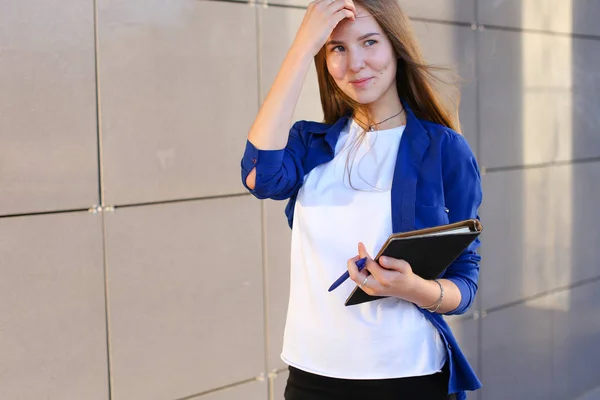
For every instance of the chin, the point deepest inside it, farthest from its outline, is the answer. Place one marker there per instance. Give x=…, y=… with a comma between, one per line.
x=364, y=97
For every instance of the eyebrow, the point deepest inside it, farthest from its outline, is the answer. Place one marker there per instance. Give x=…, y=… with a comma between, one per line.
x=363, y=37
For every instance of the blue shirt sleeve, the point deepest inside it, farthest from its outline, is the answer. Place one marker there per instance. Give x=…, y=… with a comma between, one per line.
x=279, y=173
x=463, y=196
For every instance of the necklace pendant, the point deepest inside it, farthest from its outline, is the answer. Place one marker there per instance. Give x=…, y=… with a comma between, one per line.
x=371, y=129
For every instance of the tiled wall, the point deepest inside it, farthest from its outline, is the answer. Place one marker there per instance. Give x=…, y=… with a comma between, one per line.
x=135, y=266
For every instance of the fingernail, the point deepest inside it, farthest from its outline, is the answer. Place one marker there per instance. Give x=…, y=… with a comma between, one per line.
x=383, y=259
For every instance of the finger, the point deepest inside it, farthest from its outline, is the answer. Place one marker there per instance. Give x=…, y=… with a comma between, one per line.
x=337, y=5
x=371, y=286
x=341, y=14
x=380, y=274
x=395, y=264
x=353, y=269
x=326, y=3
x=350, y=6
x=370, y=264
x=319, y=4
x=362, y=251
x=357, y=276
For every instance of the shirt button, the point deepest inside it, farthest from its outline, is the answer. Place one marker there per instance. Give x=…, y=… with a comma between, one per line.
x=254, y=161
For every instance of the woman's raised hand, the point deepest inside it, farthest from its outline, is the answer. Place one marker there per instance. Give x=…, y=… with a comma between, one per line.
x=319, y=21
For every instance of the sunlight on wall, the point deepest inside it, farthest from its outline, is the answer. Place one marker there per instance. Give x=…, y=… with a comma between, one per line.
x=547, y=137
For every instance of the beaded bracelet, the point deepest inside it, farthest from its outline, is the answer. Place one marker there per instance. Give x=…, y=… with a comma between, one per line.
x=435, y=306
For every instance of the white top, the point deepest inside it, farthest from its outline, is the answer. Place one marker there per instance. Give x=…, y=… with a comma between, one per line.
x=385, y=338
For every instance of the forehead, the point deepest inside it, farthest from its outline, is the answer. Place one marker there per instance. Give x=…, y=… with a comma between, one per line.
x=365, y=23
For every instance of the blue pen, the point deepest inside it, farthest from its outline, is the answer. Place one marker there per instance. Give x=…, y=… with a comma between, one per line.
x=360, y=264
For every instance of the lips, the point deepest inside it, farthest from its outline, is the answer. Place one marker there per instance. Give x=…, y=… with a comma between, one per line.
x=361, y=83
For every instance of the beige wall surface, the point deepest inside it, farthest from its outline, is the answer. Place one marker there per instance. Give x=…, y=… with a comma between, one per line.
x=134, y=265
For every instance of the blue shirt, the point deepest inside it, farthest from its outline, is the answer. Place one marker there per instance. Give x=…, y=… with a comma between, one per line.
x=436, y=182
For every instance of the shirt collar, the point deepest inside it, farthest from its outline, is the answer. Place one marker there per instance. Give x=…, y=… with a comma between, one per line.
x=414, y=129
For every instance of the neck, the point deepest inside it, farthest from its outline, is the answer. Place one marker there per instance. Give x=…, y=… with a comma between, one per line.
x=385, y=107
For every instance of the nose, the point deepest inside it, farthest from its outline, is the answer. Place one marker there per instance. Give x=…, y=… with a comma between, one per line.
x=356, y=61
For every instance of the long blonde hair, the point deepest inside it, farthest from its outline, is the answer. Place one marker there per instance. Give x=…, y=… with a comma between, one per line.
x=415, y=80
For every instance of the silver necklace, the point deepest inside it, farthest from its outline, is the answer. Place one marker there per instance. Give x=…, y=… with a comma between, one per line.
x=372, y=127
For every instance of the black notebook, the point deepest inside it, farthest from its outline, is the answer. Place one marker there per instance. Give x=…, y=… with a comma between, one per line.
x=428, y=251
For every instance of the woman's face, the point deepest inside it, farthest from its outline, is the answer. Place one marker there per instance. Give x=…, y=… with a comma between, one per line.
x=361, y=59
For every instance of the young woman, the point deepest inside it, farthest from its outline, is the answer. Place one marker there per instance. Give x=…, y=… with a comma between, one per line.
x=386, y=159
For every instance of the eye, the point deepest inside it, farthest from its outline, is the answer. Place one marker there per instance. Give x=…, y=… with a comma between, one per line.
x=370, y=42
x=338, y=48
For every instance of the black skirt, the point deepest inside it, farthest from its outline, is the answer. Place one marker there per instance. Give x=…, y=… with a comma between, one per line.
x=302, y=385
